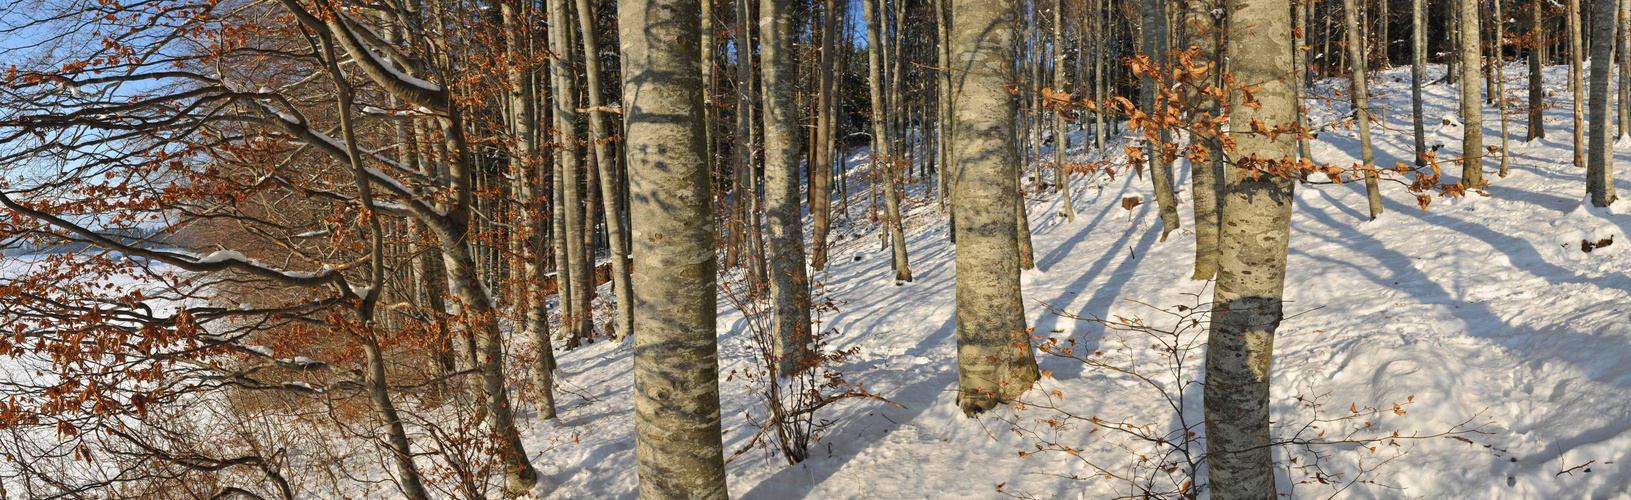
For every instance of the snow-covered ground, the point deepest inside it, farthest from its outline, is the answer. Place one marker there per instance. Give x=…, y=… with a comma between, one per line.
x=1482, y=311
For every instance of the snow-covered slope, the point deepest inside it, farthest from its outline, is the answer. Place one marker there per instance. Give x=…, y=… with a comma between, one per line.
x=1481, y=309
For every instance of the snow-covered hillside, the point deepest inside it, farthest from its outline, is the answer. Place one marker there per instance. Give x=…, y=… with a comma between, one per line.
x=1482, y=311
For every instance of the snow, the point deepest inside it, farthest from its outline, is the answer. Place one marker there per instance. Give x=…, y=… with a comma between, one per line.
x=1482, y=310
x=1474, y=311
x=220, y=256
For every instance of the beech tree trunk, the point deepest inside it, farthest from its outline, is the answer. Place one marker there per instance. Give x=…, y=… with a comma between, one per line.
x=1060, y=142
x=524, y=151
x=1251, y=277
x=1576, y=64
x=1206, y=179
x=1472, y=104
x=1154, y=32
x=1600, y=166
x=606, y=165
x=1537, y=94
x=1418, y=72
x=820, y=171
x=676, y=364
x=1299, y=57
x=994, y=359
x=1361, y=103
x=882, y=158
x=1497, y=66
x=577, y=325
x=789, y=287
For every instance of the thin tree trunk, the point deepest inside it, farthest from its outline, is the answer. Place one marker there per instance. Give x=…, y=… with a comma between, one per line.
x=1600, y=167
x=1251, y=281
x=1099, y=97
x=789, y=287
x=524, y=154
x=1418, y=73
x=1472, y=105
x=819, y=169
x=1300, y=85
x=1207, y=177
x=1623, y=51
x=1154, y=37
x=994, y=358
x=881, y=156
x=1497, y=66
x=1062, y=174
x=576, y=325
x=606, y=164
x=1381, y=33
x=1361, y=104
x=1537, y=94
x=1576, y=65
x=676, y=363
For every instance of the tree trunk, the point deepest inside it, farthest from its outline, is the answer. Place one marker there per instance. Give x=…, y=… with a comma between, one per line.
x=1497, y=66
x=1418, y=72
x=881, y=156
x=994, y=359
x=820, y=171
x=1623, y=51
x=1361, y=103
x=942, y=102
x=1600, y=166
x=1098, y=74
x=1575, y=67
x=1251, y=279
x=1207, y=178
x=1299, y=58
x=1154, y=40
x=789, y=287
x=1062, y=174
x=1537, y=94
x=1381, y=33
x=1472, y=106
x=577, y=325
x=606, y=165
x=676, y=364
x=524, y=155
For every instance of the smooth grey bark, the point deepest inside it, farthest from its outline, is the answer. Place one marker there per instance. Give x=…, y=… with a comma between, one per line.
x=994, y=359
x=1154, y=31
x=1600, y=165
x=1623, y=53
x=1497, y=67
x=374, y=377
x=882, y=159
x=606, y=164
x=577, y=325
x=820, y=171
x=942, y=102
x=753, y=208
x=1060, y=140
x=1576, y=65
x=1251, y=277
x=1418, y=72
x=1299, y=58
x=1361, y=103
x=1472, y=104
x=1537, y=95
x=1098, y=74
x=524, y=157
x=1207, y=178
x=676, y=361
x=789, y=286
